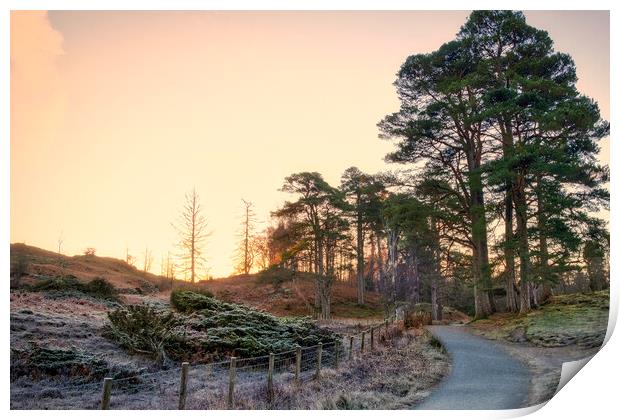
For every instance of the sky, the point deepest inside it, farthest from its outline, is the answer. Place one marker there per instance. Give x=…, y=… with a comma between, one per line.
x=115, y=116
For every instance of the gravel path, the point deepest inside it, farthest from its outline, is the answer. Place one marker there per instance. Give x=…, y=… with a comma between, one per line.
x=483, y=376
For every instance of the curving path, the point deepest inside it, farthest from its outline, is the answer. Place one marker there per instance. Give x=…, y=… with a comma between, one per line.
x=483, y=375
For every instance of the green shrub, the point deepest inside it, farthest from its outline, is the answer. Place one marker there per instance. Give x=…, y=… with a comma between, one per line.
x=191, y=301
x=210, y=330
x=69, y=285
x=101, y=288
x=275, y=275
x=58, y=283
x=433, y=341
x=142, y=329
x=39, y=361
x=20, y=264
x=227, y=328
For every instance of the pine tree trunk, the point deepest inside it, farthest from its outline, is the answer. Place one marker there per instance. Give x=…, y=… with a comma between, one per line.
x=413, y=277
x=509, y=246
x=436, y=307
x=596, y=274
x=482, y=272
x=246, y=260
x=393, y=266
x=326, y=302
x=370, y=272
x=509, y=253
x=520, y=201
x=360, y=253
x=380, y=265
x=318, y=262
x=543, y=247
x=436, y=315
x=534, y=295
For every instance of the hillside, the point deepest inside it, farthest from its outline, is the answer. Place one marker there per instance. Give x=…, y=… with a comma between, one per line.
x=67, y=334
x=292, y=298
x=43, y=264
x=284, y=298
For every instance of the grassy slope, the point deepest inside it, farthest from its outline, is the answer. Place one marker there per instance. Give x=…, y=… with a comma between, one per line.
x=292, y=298
x=74, y=320
x=394, y=377
x=72, y=323
x=577, y=319
x=286, y=299
x=47, y=264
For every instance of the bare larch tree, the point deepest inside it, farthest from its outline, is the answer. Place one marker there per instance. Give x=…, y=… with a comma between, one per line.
x=148, y=259
x=192, y=230
x=245, y=250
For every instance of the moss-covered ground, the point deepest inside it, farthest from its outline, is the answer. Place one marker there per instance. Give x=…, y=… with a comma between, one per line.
x=576, y=319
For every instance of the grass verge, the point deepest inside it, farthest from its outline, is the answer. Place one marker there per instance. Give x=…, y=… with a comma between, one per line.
x=577, y=319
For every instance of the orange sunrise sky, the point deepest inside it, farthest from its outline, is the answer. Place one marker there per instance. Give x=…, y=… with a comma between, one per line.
x=116, y=115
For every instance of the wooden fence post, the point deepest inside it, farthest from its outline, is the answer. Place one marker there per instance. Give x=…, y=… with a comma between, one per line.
x=270, y=379
x=297, y=362
x=319, y=355
x=363, y=341
x=183, y=386
x=107, y=390
x=372, y=339
x=351, y=347
x=231, y=382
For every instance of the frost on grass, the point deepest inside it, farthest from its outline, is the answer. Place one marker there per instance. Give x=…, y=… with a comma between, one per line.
x=397, y=375
x=208, y=329
x=70, y=286
x=38, y=362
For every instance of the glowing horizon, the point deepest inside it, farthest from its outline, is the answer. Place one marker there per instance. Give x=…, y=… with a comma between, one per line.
x=116, y=115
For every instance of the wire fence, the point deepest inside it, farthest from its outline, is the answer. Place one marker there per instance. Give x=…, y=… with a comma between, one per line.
x=229, y=384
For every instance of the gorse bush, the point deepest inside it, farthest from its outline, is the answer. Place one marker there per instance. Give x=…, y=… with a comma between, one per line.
x=190, y=301
x=433, y=341
x=228, y=328
x=72, y=364
x=208, y=329
x=20, y=264
x=57, y=283
x=38, y=362
x=275, y=275
x=102, y=288
x=143, y=329
x=70, y=285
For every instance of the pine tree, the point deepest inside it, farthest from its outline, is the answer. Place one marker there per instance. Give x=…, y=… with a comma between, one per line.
x=548, y=135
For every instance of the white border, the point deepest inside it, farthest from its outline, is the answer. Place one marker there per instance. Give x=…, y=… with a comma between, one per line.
x=593, y=393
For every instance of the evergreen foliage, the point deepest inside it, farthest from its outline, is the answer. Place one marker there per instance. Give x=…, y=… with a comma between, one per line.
x=39, y=361
x=208, y=329
x=98, y=287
